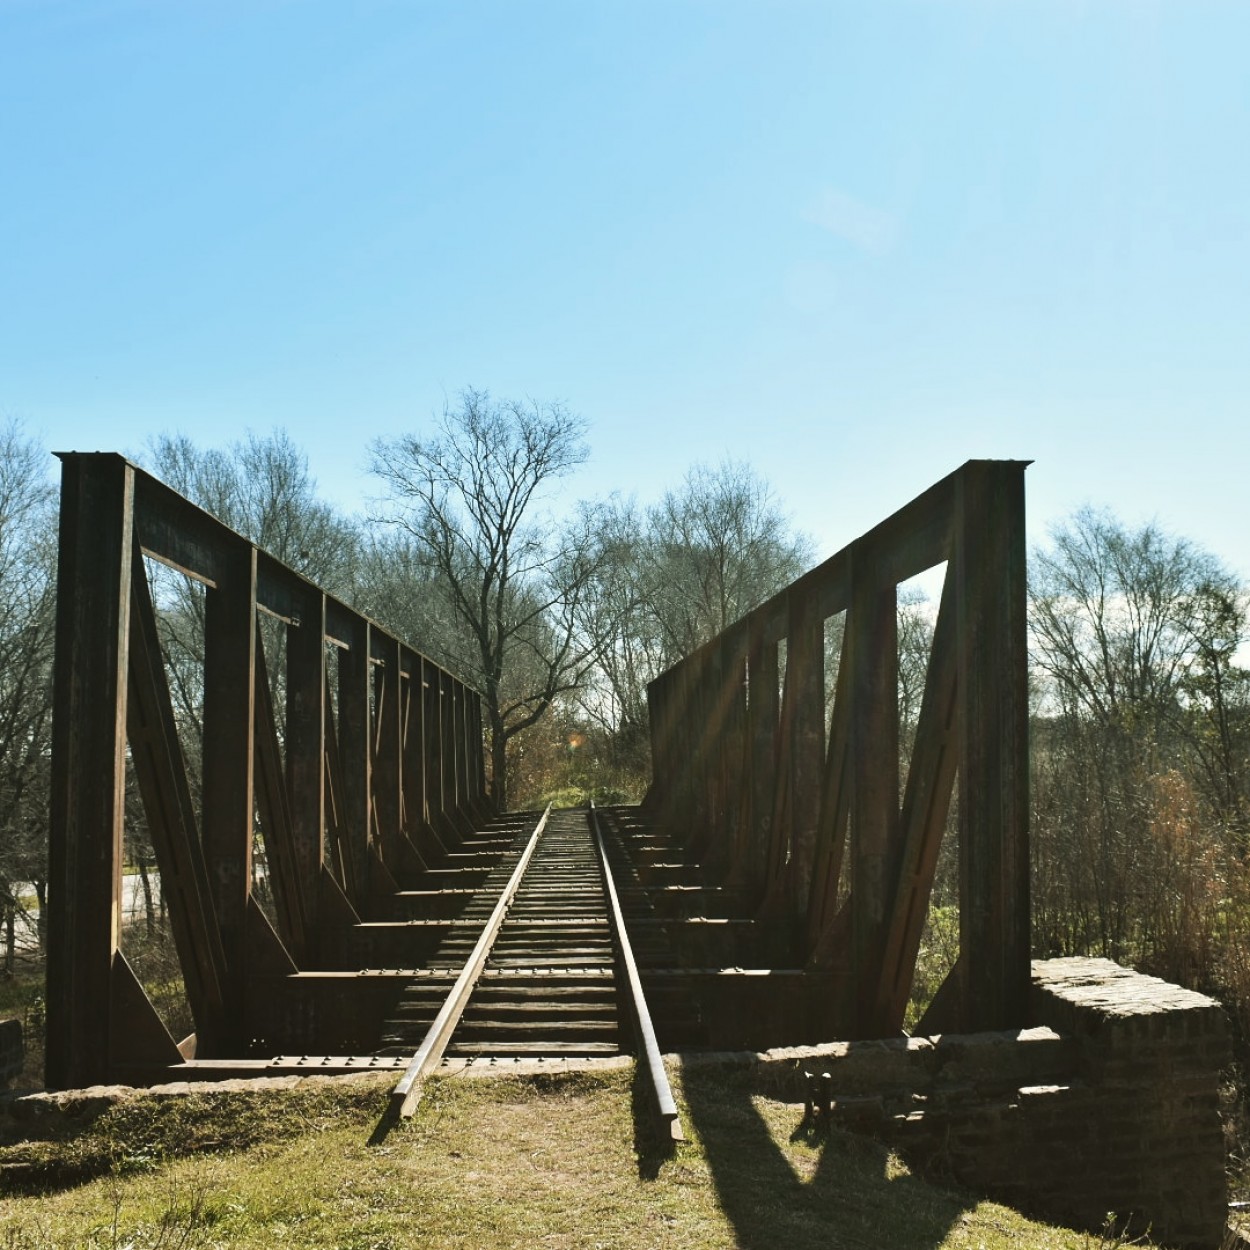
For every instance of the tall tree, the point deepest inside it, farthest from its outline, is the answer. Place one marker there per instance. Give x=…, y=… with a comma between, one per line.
x=1135, y=634
x=676, y=575
x=1216, y=690
x=27, y=589
x=1119, y=614
x=716, y=547
x=510, y=578
x=261, y=486
x=630, y=643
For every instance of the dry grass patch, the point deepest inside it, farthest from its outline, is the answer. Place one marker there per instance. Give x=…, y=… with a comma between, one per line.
x=553, y=1162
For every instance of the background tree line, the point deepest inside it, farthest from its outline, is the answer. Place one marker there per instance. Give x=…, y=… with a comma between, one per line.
x=1141, y=754
x=560, y=621
x=1141, y=718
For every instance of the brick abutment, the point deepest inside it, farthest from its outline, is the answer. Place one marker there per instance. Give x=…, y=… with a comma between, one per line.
x=1108, y=1104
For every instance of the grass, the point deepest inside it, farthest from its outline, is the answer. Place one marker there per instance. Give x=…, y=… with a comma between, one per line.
x=939, y=948
x=19, y=992
x=551, y=1162
x=571, y=796
x=21, y=996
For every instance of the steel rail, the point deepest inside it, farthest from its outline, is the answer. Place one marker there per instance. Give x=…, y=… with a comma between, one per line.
x=666, y=1105
x=407, y=1093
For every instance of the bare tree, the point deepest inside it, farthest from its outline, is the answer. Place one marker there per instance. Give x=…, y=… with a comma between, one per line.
x=510, y=578
x=1216, y=690
x=674, y=576
x=27, y=589
x=631, y=647
x=1135, y=634
x=261, y=486
x=715, y=549
x=1117, y=614
x=915, y=643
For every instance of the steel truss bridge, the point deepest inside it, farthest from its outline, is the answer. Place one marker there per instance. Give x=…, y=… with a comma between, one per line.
x=771, y=890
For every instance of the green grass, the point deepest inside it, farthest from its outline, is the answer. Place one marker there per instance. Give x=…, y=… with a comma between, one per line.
x=939, y=948
x=18, y=993
x=575, y=795
x=553, y=1162
x=21, y=996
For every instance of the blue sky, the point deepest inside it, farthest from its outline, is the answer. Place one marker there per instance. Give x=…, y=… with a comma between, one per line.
x=854, y=244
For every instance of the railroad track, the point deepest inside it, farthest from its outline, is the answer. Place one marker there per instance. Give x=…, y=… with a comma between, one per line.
x=547, y=987
x=550, y=974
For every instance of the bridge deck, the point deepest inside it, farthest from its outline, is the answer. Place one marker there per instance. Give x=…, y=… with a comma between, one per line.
x=548, y=987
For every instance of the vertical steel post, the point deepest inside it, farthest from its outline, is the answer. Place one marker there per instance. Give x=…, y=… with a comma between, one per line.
x=88, y=762
x=872, y=623
x=356, y=751
x=805, y=667
x=763, y=710
x=306, y=750
x=387, y=761
x=991, y=595
x=229, y=769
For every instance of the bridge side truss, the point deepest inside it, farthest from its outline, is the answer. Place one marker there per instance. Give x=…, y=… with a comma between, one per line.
x=378, y=765
x=804, y=812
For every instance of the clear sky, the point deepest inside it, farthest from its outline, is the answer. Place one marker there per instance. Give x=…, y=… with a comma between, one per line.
x=852, y=243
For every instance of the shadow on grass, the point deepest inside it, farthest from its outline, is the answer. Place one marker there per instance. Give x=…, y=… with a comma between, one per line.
x=653, y=1145
x=382, y=1130
x=846, y=1196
